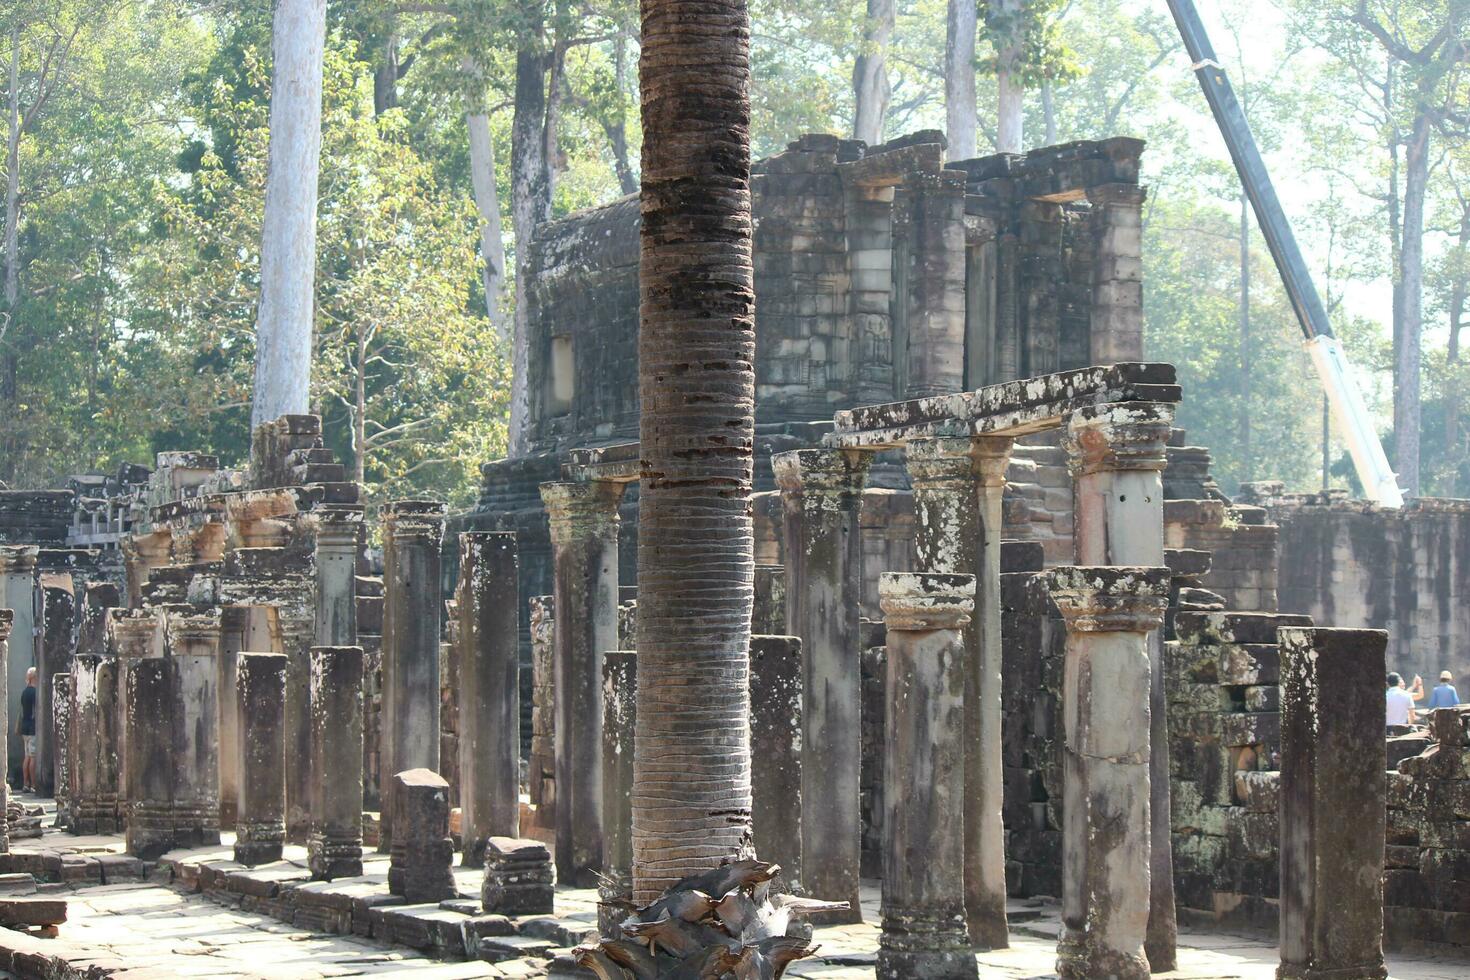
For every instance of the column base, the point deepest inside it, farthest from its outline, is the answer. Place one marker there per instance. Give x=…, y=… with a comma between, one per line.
x=251, y=853
x=914, y=965
x=1081, y=959
x=334, y=857
x=1292, y=971
x=150, y=832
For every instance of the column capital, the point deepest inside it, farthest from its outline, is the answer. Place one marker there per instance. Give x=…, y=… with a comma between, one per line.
x=200, y=631
x=336, y=526
x=1118, y=436
x=581, y=509
x=133, y=633
x=958, y=461
x=926, y=601
x=821, y=470
x=1103, y=195
x=1110, y=598
x=7, y=617
x=17, y=559
x=414, y=521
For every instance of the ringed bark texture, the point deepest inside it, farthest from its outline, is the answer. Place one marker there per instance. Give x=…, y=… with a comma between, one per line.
x=696, y=350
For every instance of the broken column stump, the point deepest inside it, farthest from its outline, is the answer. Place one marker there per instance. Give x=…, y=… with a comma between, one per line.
x=775, y=754
x=1109, y=612
x=1332, y=793
x=619, y=723
x=134, y=637
x=85, y=744
x=518, y=878
x=260, y=705
x=423, y=852
x=150, y=748
x=334, y=847
x=63, y=716
x=925, y=934
x=542, y=766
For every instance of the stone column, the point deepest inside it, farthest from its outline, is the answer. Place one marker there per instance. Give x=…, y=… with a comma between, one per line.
x=133, y=637
x=1117, y=278
x=421, y=869
x=413, y=534
x=86, y=744
x=584, y=540
x=234, y=624
x=775, y=753
x=1332, y=803
x=7, y=619
x=295, y=628
x=936, y=284
x=63, y=714
x=489, y=679
x=1109, y=612
x=335, y=847
x=260, y=704
x=543, y=709
x=619, y=722
x=109, y=747
x=768, y=613
x=150, y=747
x=54, y=653
x=1117, y=456
x=925, y=933
x=18, y=594
x=194, y=651
x=338, y=530
x=959, y=489
x=821, y=494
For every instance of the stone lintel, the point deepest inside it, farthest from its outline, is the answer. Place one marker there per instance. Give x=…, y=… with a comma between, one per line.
x=821, y=470
x=1119, y=436
x=886, y=165
x=620, y=463
x=1110, y=598
x=926, y=601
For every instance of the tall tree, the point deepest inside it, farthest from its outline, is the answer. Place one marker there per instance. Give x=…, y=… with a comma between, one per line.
x=487, y=199
x=696, y=383
x=960, y=113
x=288, y=228
x=1005, y=19
x=870, y=87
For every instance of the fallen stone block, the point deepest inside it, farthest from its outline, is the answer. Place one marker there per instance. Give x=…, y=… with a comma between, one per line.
x=32, y=911
x=498, y=949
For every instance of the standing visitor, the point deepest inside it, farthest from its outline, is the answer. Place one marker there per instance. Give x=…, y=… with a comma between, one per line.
x=1444, y=694
x=1400, y=702
x=26, y=729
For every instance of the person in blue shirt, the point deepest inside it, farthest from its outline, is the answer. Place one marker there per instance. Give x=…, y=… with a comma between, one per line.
x=1444, y=694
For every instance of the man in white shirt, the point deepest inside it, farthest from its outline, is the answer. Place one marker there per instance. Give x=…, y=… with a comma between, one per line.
x=1400, y=702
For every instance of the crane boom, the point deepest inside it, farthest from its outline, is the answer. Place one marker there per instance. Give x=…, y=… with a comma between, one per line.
x=1345, y=401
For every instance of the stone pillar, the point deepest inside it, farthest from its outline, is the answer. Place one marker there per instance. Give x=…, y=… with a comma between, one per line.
x=619, y=722
x=936, y=284
x=335, y=847
x=295, y=628
x=86, y=744
x=133, y=637
x=194, y=651
x=1109, y=612
x=54, y=653
x=775, y=753
x=7, y=619
x=421, y=869
x=821, y=494
x=959, y=489
x=108, y=814
x=413, y=534
x=150, y=748
x=1117, y=455
x=18, y=594
x=1117, y=277
x=490, y=702
x=542, y=776
x=234, y=624
x=338, y=530
x=925, y=932
x=768, y=614
x=1332, y=803
x=63, y=714
x=584, y=540
x=260, y=704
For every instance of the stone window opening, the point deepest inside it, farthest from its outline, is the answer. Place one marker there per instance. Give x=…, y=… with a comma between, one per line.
x=561, y=378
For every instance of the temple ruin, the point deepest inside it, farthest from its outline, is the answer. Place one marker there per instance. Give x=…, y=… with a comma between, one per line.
x=1004, y=616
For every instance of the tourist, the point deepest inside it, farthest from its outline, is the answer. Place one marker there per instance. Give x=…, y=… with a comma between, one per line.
x=1444, y=694
x=1400, y=702
x=26, y=729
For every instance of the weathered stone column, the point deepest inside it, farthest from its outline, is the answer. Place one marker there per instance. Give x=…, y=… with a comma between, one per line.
x=821, y=494
x=86, y=744
x=925, y=933
x=18, y=594
x=194, y=650
x=338, y=530
x=959, y=489
x=150, y=764
x=584, y=540
x=7, y=619
x=1332, y=803
x=542, y=777
x=234, y=625
x=421, y=869
x=619, y=722
x=134, y=637
x=107, y=686
x=775, y=753
x=1109, y=612
x=1117, y=278
x=63, y=714
x=1117, y=456
x=54, y=653
x=489, y=677
x=295, y=628
x=768, y=613
x=413, y=534
x=335, y=847
x=260, y=704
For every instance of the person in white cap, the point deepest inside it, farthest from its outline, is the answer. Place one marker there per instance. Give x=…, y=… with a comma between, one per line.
x=1444, y=694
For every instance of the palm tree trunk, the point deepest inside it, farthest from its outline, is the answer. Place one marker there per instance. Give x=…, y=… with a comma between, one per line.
x=696, y=350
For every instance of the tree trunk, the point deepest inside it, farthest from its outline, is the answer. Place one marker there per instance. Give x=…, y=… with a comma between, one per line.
x=1049, y=112
x=385, y=77
x=696, y=382
x=1008, y=80
x=1243, y=422
x=283, y=336
x=870, y=88
x=9, y=366
x=1407, y=352
x=530, y=204
x=359, y=410
x=960, y=114
x=487, y=203
x=1459, y=288
x=615, y=125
